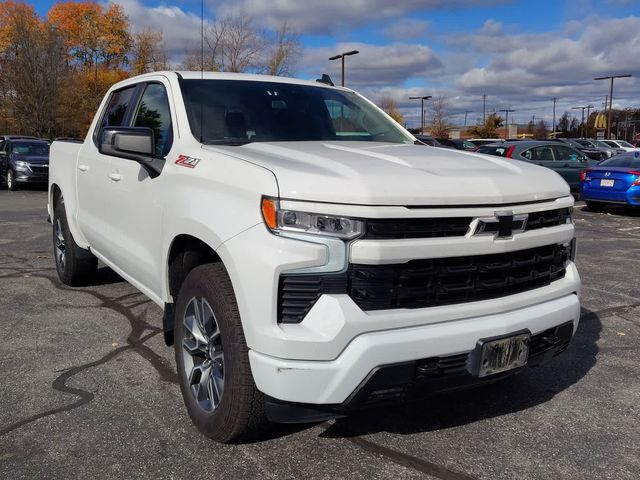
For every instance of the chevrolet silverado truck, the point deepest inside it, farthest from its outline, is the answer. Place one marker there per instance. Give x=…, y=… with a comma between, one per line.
x=309, y=258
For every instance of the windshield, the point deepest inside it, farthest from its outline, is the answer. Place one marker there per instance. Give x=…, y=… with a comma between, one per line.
x=602, y=144
x=30, y=148
x=624, y=144
x=234, y=112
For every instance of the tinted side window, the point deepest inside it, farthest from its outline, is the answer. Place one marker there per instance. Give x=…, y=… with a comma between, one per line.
x=153, y=112
x=543, y=154
x=116, y=109
x=566, y=154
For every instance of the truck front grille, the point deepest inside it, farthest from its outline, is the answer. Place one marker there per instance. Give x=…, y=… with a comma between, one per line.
x=403, y=228
x=426, y=283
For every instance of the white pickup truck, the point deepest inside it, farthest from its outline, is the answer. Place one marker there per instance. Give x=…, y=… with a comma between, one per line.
x=310, y=258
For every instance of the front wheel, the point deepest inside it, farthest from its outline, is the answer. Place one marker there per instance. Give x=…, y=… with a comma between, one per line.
x=213, y=361
x=11, y=181
x=75, y=265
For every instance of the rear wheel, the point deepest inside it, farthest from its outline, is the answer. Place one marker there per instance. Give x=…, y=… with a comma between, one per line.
x=595, y=206
x=75, y=265
x=213, y=361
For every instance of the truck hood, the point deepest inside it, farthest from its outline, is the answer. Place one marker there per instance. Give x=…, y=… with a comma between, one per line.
x=397, y=174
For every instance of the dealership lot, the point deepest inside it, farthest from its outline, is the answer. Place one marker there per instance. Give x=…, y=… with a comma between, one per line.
x=89, y=389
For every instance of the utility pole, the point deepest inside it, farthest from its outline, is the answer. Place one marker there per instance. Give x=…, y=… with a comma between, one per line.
x=341, y=56
x=582, y=124
x=554, y=117
x=611, y=77
x=506, y=121
x=484, y=109
x=589, y=107
x=422, y=99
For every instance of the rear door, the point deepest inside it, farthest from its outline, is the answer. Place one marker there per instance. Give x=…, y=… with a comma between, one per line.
x=570, y=163
x=95, y=198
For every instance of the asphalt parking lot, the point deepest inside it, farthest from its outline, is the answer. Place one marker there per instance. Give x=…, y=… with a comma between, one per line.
x=89, y=389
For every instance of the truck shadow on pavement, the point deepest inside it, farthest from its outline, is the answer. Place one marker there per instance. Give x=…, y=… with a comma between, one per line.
x=532, y=387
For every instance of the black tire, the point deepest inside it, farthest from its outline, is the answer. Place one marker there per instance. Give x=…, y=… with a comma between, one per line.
x=75, y=265
x=239, y=414
x=10, y=180
x=595, y=206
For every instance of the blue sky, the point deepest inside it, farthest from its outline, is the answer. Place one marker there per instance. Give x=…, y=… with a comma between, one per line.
x=520, y=54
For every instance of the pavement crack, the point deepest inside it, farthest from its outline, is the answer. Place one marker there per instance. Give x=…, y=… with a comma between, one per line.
x=403, y=459
x=135, y=342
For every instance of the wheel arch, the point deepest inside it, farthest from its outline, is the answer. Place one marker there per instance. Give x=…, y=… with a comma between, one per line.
x=186, y=252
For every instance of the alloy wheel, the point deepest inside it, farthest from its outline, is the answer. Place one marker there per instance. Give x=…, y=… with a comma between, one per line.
x=203, y=354
x=60, y=247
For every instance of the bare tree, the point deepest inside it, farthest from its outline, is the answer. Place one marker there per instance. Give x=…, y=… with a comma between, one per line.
x=234, y=44
x=390, y=107
x=283, y=51
x=440, y=126
x=148, y=52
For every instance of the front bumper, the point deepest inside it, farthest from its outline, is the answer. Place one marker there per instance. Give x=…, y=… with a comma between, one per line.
x=333, y=382
x=30, y=178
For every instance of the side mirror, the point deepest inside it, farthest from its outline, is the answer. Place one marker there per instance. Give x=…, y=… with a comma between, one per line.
x=133, y=143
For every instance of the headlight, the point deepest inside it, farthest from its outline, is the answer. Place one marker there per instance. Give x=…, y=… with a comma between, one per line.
x=21, y=163
x=281, y=221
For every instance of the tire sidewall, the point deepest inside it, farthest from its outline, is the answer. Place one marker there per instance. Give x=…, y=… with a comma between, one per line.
x=10, y=180
x=200, y=283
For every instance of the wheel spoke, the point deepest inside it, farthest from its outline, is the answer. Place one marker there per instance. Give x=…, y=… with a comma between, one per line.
x=203, y=354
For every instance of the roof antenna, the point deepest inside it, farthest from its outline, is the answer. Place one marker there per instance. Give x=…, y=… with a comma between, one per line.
x=325, y=79
x=201, y=67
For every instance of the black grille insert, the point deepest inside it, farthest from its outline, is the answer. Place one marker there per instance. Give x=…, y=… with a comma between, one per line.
x=426, y=283
x=402, y=228
x=399, y=228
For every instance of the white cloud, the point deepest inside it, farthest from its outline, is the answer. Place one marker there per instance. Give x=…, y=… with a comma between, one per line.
x=331, y=16
x=374, y=65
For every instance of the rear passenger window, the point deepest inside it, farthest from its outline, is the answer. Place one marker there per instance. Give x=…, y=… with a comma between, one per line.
x=153, y=112
x=542, y=154
x=114, y=113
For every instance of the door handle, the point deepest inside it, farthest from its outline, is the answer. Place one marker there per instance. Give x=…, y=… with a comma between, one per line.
x=83, y=168
x=115, y=176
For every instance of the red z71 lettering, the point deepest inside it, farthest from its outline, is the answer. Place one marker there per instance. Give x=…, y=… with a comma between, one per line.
x=188, y=162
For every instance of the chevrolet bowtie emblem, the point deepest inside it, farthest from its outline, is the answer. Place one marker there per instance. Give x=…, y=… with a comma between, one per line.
x=503, y=225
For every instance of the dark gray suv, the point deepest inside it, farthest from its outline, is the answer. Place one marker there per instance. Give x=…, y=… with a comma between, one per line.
x=24, y=160
x=565, y=160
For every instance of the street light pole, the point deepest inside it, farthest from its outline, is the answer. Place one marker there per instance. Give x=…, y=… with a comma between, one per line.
x=611, y=77
x=422, y=99
x=554, y=117
x=341, y=56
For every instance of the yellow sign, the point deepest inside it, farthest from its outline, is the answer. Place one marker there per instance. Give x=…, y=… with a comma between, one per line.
x=601, y=121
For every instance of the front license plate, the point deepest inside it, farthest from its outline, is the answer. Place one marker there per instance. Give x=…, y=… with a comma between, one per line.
x=504, y=354
x=607, y=183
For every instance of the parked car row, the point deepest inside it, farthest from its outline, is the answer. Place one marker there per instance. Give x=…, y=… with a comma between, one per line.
x=23, y=160
x=562, y=158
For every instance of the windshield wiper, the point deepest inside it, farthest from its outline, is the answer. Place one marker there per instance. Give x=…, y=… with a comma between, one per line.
x=234, y=142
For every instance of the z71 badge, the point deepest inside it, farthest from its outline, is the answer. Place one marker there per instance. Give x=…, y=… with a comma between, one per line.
x=188, y=162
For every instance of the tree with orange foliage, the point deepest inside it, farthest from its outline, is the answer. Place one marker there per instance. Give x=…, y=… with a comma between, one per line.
x=94, y=35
